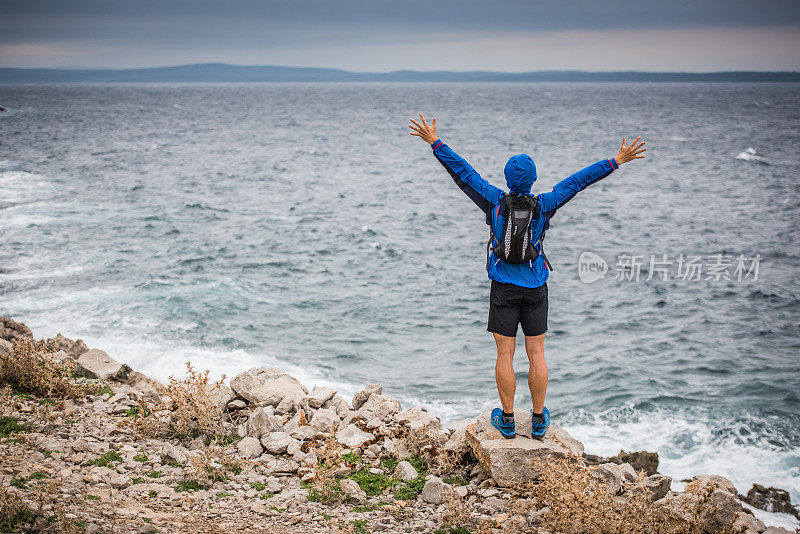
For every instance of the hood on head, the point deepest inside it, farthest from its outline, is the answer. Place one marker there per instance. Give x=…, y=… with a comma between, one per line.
x=520, y=174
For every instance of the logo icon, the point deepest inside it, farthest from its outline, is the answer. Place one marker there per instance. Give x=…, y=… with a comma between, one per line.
x=591, y=267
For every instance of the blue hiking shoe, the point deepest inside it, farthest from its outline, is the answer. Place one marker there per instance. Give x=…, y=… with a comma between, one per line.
x=506, y=430
x=539, y=426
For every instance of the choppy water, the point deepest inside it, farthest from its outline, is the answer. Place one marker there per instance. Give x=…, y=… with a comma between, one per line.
x=300, y=226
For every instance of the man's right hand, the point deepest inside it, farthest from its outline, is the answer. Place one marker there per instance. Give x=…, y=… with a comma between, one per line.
x=630, y=152
x=425, y=131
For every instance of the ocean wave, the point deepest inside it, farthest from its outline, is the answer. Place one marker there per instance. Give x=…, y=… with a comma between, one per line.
x=21, y=187
x=749, y=154
x=204, y=206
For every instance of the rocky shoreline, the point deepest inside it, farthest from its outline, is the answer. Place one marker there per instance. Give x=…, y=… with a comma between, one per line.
x=90, y=445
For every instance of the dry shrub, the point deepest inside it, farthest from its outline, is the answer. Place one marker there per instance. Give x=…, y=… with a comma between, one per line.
x=518, y=516
x=7, y=402
x=29, y=368
x=326, y=487
x=47, y=516
x=215, y=464
x=578, y=503
x=188, y=411
x=456, y=513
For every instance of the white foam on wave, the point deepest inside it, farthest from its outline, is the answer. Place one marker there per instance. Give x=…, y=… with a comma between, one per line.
x=774, y=519
x=160, y=360
x=749, y=154
x=31, y=273
x=21, y=186
x=688, y=447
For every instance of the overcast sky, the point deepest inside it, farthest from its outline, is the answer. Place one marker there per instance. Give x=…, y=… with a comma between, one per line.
x=376, y=35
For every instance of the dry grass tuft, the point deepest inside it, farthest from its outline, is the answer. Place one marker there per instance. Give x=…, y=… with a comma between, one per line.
x=573, y=501
x=215, y=464
x=188, y=410
x=46, y=516
x=30, y=369
x=326, y=487
x=457, y=513
x=576, y=502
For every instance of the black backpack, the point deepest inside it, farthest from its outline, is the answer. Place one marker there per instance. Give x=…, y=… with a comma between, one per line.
x=515, y=247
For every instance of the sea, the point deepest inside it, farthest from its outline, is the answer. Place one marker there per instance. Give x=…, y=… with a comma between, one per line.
x=301, y=226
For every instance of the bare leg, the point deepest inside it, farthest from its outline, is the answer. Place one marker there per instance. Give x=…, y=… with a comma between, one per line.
x=504, y=371
x=537, y=372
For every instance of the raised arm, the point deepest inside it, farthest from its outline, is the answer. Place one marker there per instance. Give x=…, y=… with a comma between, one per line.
x=481, y=192
x=567, y=188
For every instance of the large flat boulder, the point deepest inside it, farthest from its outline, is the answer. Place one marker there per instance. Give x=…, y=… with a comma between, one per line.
x=267, y=387
x=96, y=363
x=514, y=461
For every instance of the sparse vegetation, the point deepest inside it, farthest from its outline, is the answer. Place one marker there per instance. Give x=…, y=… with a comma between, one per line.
x=351, y=458
x=190, y=484
x=104, y=389
x=215, y=464
x=107, y=458
x=10, y=425
x=358, y=526
x=329, y=493
x=191, y=411
x=409, y=490
x=452, y=530
x=372, y=483
x=369, y=507
x=29, y=369
x=390, y=464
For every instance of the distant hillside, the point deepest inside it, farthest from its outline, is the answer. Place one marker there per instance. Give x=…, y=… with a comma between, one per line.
x=220, y=72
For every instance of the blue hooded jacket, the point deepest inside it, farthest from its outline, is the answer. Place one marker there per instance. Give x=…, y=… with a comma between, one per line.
x=520, y=172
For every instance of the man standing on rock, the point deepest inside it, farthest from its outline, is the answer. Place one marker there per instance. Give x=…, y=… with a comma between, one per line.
x=516, y=263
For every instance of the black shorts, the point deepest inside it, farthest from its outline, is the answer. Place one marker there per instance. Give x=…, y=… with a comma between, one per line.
x=510, y=305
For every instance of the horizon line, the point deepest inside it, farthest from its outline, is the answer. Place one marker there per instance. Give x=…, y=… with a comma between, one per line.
x=403, y=70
